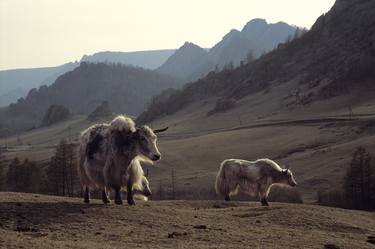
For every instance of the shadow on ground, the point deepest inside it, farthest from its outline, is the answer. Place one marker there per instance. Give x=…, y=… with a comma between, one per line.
x=33, y=216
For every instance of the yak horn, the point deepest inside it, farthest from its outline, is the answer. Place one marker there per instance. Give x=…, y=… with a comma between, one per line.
x=161, y=130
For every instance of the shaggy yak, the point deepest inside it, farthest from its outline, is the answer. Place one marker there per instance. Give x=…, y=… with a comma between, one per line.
x=252, y=177
x=110, y=156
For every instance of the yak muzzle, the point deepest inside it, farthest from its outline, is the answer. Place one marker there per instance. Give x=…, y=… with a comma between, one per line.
x=156, y=157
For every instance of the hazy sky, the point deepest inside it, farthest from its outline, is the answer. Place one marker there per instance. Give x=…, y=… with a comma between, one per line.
x=35, y=33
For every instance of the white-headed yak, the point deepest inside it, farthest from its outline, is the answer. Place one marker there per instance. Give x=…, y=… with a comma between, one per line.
x=252, y=177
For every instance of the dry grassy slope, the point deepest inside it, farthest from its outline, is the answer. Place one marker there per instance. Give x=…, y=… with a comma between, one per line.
x=318, y=151
x=38, y=221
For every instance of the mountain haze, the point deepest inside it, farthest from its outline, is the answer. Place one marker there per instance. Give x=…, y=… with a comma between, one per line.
x=16, y=83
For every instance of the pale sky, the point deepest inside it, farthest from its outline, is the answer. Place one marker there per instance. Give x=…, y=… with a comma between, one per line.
x=38, y=33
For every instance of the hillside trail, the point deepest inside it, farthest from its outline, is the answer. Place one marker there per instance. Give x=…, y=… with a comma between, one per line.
x=366, y=117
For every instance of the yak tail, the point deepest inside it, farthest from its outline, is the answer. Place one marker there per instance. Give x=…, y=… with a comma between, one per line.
x=136, y=173
x=221, y=184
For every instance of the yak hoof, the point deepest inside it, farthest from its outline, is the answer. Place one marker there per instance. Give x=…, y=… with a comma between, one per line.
x=227, y=198
x=264, y=202
x=131, y=202
x=118, y=201
x=86, y=200
x=105, y=198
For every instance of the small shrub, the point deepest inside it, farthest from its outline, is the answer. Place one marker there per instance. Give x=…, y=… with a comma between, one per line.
x=332, y=198
x=55, y=114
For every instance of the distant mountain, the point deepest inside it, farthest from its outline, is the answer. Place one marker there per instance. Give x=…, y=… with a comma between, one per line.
x=190, y=62
x=127, y=90
x=16, y=83
x=335, y=57
x=233, y=48
x=267, y=36
x=11, y=96
x=147, y=59
x=184, y=61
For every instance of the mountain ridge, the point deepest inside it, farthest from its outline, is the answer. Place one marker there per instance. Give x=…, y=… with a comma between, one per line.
x=231, y=50
x=127, y=90
x=16, y=83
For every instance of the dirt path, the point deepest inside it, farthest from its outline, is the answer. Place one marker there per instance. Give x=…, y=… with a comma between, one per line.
x=268, y=123
x=37, y=221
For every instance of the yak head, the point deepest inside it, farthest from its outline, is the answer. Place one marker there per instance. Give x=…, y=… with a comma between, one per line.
x=127, y=139
x=288, y=177
x=145, y=139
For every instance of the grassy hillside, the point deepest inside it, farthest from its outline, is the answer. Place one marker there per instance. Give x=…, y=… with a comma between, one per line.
x=38, y=221
x=38, y=144
x=318, y=148
x=316, y=140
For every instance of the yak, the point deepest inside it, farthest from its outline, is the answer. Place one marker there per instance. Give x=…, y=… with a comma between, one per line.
x=252, y=177
x=108, y=150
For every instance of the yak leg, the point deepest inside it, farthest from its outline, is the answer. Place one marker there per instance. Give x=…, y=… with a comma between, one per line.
x=105, y=197
x=227, y=197
x=86, y=195
x=129, y=188
x=118, y=199
x=264, y=202
x=263, y=194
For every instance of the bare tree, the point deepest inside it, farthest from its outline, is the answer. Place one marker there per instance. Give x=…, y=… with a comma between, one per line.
x=249, y=56
x=61, y=174
x=358, y=182
x=173, y=185
x=2, y=166
x=160, y=189
x=350, y=111
x=13, y=175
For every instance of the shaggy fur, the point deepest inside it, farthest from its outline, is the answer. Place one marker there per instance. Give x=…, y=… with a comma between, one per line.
x=107, y=152
x=252, y=177
x=140, y=184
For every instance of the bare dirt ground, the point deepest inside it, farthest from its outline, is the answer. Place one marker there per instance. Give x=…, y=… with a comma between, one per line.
x=38, y=221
